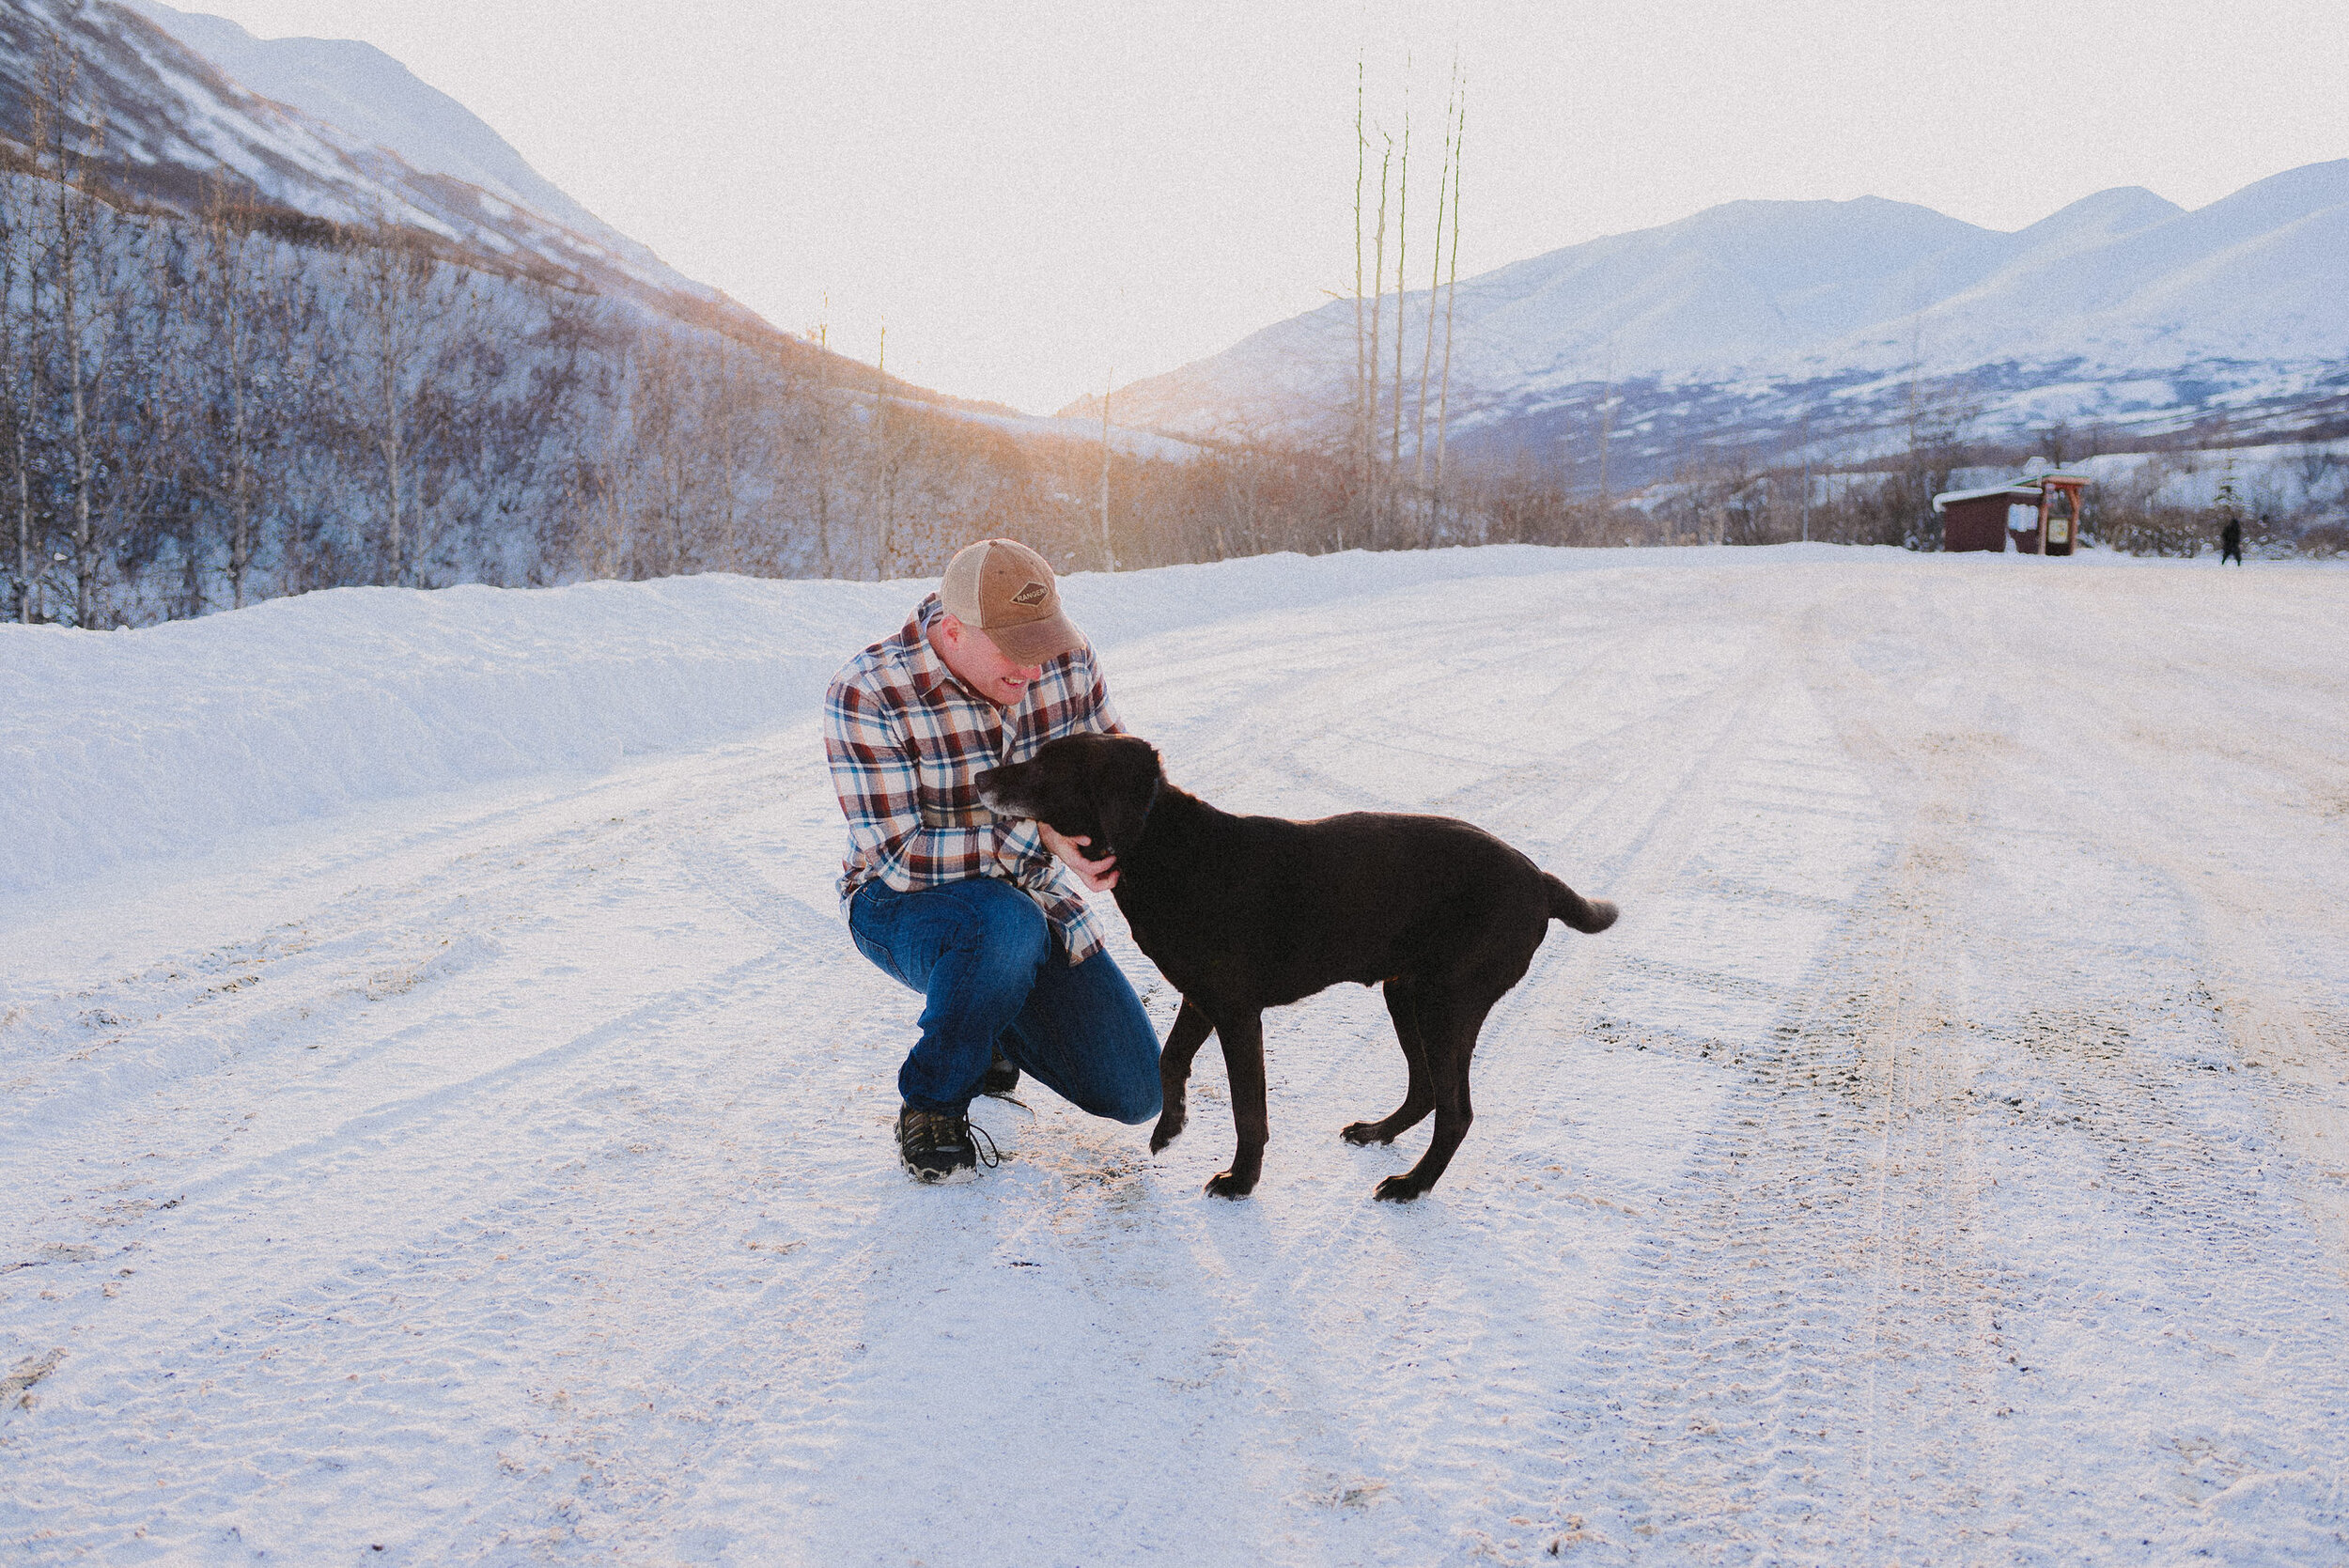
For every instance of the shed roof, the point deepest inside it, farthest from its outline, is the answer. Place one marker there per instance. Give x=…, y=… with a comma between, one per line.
x=2027, y=489
x=2021, y=490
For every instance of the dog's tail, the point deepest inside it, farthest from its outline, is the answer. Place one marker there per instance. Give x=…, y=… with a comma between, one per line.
x=1591, y=915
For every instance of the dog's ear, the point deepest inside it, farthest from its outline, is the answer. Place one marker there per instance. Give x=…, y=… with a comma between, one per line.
x=1125, y=784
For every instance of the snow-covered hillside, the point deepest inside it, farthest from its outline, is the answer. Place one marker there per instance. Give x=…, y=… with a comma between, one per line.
x=448, y=1122
x=334, y=130
x=1758, y=319
x=363, y=90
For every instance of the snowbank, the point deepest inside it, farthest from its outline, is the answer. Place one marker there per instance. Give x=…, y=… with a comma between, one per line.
x=132, y=745
x=135, y=744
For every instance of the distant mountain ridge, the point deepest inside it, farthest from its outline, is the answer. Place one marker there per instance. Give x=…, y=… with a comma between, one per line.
x=1765, y=322
x=328, y=129
x=366, y=92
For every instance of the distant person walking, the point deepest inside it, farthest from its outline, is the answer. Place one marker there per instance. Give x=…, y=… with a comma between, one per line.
x=2230, y=542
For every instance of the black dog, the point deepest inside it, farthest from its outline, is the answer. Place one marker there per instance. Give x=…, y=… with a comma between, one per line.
x=1242, y=913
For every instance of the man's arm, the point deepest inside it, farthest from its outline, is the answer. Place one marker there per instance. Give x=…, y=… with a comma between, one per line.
x=876, y=777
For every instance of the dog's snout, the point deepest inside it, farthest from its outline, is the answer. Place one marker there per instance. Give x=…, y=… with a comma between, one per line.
x=994, y=785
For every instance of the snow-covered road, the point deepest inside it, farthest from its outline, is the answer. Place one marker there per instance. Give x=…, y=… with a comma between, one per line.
x=1946, y=1160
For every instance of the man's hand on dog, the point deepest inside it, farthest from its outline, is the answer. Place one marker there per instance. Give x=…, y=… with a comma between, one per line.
x=1099, y=876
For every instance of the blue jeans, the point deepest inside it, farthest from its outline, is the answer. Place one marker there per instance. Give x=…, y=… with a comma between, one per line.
x=981, y=953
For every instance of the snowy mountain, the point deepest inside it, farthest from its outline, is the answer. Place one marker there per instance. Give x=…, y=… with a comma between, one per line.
x=365, y=91
x=1754, y=320
x=331, y=130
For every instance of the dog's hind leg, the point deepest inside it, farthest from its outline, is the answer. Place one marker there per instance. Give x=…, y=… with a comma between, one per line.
x=1418, y=1099
x=1243, y=1064
x=1183, y=1041
x=1449, y=1026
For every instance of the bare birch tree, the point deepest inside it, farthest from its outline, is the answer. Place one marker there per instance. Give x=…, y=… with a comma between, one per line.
x=74, y=269
x=1371, y=488
x=402, y=372
x=20, y=391
x=1434, y=284
x=1108, y=553
x=234, y=294
x=726, y=436
x=1402, y=246
x=1362, y=414
x=304, y=473
x=1452, y=286
x=885, y=467
x=823, y=443
x=389, y=310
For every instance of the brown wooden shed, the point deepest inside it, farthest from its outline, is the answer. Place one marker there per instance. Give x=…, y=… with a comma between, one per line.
x=2039, y=515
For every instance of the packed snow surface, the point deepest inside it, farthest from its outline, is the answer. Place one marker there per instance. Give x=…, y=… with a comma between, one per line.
x=445, y=1114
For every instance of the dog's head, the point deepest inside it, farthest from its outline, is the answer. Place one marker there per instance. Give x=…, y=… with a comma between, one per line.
x=1093, y=787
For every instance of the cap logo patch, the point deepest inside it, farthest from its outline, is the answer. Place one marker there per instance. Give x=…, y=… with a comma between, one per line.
x=1033, y=593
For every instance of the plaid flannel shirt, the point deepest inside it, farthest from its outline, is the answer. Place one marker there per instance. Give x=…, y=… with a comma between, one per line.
x=905, y=739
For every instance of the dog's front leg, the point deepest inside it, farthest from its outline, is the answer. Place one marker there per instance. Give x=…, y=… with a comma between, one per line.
x=1243, y=1065
x=1183, y=1041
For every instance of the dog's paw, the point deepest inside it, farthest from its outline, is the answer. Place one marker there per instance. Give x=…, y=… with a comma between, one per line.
x=1225, y=1185
x=1360, y=1133
x=1397, y=1189
x=1168, y=1130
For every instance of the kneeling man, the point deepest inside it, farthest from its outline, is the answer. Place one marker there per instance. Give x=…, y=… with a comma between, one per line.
x=966, y=909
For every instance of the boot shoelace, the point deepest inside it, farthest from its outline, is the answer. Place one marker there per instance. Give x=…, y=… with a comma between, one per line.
x=944, y=1127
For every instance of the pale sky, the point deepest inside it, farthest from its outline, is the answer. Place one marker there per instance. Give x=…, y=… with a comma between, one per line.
x=1029, y=194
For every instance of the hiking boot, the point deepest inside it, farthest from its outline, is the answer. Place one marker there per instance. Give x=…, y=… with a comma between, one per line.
x=1001, y=1078
x=940, y=1146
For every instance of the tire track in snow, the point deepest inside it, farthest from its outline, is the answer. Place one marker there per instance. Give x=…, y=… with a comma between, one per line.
x=2072, y=1058
x=1516, y=1352
x=440, y=1128
x=1794, y=1361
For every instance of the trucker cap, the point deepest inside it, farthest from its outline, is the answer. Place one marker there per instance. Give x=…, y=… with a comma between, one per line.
x=1003, y=588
